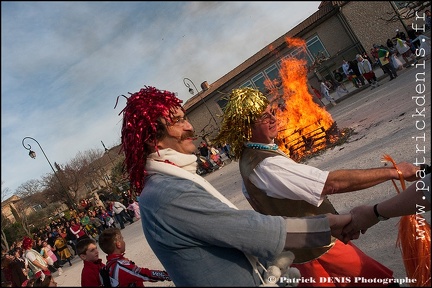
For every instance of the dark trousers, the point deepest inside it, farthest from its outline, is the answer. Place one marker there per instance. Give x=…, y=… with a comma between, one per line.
x=122, y=217
x=390, y=70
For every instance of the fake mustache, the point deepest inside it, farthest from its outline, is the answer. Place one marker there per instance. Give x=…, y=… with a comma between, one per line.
x=188, y=134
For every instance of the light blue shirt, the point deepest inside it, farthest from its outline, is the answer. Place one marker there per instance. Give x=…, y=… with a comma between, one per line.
x=201, y=241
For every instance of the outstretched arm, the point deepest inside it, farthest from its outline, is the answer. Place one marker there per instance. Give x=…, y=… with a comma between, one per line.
x=415, y=199
x=315, y=231
x=341, y=181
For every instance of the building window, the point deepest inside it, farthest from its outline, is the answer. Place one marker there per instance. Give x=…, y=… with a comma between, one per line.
x=37, y=207
x=301, y=53
x=316, y=48
x=247, y=84
x=401, y=4
x=90, y=185
x=279, y=63
x=258, y=81
x=222, y=103
x=272, y=73
x=283, y=58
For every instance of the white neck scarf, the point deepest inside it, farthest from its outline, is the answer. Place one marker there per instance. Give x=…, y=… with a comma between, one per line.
x=185, y=167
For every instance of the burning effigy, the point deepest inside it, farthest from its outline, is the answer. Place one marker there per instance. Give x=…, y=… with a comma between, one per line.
x=304, y=126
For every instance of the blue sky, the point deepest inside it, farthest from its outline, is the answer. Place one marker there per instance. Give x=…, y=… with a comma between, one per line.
x=65, y=63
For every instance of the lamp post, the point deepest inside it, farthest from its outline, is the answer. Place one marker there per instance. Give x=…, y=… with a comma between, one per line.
x=396, y=10
x=107, y=152
x=187, y=83
x=32, y=154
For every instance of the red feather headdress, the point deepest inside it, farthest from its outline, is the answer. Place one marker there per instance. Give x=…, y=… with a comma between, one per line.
x=140, y=121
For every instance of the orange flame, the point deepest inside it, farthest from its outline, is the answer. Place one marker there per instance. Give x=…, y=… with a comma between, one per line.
x=299, y=116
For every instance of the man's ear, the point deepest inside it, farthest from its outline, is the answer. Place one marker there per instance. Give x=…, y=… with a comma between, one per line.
x=83, y=257
x=151, y=146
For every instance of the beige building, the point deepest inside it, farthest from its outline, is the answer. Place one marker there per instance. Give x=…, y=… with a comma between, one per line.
x=99, y=176
x=13, y=203
x=337, y=31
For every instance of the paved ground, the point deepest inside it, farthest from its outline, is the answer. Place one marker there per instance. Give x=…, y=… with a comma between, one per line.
x=383, y=123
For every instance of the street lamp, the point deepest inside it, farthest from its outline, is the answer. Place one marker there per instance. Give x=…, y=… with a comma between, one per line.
x=107, y=152
x=187, y=83
x=106, y=149
x=396, y=10
x=32, y=154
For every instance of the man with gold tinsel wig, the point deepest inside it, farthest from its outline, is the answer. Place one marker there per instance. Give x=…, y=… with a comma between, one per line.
x=274, y=184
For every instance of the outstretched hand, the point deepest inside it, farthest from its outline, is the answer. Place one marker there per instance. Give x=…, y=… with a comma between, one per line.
x=337, y=225
x=363, y=217
x=408, y=170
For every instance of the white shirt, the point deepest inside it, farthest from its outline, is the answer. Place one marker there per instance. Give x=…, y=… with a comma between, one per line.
x=118, y=207
x=324, y=88
x=30, y=256
x=281, y=177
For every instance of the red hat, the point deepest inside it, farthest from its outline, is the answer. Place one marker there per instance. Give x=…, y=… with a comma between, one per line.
x=27, y=243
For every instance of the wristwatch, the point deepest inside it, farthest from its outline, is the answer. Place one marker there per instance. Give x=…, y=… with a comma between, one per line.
x=380, y=217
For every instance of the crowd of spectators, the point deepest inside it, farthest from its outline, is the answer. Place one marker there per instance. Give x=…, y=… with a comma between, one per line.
x=56, y=242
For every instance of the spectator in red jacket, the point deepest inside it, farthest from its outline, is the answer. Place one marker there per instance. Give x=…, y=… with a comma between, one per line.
x=78, y=230
x=122, y=271
x=89, y=253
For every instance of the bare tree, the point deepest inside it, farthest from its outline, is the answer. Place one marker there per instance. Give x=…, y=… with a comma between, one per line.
x=4, y=220
x=29, y=200
x=119, y=175
x=5, y=223
x=29, y=188
x=69, y=179
x=406, y=10
x=76, y=171
x=53, y=188
x=4, y=191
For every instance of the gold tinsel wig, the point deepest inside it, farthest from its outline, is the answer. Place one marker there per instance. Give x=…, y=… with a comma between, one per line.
x=244, y=106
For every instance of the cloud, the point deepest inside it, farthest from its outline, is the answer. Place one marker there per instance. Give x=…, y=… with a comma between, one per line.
x=65, y=63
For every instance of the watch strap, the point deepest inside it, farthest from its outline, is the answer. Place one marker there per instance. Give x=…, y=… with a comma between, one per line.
x=380, y=217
